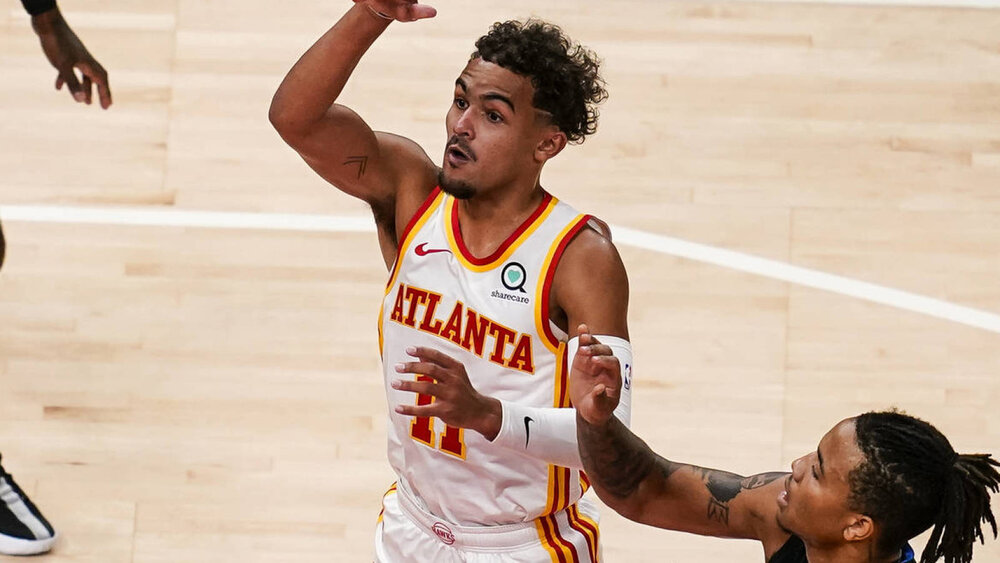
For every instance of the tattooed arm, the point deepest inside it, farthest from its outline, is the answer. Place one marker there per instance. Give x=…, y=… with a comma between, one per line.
x=391, y=173
x=645, y=487
x=642, y=486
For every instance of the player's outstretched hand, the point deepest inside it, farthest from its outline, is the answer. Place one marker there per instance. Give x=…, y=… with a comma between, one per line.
x=456, y=401
x=595, y=379
x=67, y=54
x=400, y=10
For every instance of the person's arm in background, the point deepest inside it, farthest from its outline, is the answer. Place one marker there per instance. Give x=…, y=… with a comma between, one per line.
x=647, y=488
x=68, y=54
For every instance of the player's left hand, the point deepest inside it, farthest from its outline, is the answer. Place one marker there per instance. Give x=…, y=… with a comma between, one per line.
x=595, y=380
x=456, y=401
x=68, y=55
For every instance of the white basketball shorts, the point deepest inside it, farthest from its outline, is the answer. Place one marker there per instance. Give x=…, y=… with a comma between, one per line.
x=407, y=534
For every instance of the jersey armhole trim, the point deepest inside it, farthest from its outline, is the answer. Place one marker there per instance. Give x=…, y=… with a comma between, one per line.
x=432, y=201
x=548, y=274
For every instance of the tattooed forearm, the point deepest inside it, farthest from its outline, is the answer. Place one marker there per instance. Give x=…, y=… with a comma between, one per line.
x=615, y=459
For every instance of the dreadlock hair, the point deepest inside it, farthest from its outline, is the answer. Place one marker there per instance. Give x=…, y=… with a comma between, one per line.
x=911, y=479
x=564, y=74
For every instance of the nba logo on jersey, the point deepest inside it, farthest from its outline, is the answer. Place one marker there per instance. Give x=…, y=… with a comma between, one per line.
x=444, y=533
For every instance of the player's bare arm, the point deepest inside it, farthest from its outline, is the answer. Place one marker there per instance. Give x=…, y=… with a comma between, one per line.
x=591, y=287
x=645, y=487
x=389, y=172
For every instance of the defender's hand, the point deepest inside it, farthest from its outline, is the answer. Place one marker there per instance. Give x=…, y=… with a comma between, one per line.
x=595, y=379
x=456, y=401
x=67, y=54
x=400, y=10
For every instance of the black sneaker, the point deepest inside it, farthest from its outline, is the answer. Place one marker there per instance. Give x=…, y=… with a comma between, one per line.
x=23, y=529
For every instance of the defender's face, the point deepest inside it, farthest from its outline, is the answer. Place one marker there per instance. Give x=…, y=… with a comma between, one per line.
x=492, y=130
x=814, y=505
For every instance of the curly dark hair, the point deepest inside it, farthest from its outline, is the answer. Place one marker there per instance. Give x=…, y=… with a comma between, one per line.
x=911, y=479
x=564, y=74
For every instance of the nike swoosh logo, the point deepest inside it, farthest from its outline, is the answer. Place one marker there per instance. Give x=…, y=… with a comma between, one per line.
x=527, y=430
x=422, y=249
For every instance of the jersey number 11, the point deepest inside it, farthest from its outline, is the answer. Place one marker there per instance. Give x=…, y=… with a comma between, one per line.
x=422, y=429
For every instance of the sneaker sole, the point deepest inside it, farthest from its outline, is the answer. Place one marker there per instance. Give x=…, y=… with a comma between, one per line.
x=19, y=546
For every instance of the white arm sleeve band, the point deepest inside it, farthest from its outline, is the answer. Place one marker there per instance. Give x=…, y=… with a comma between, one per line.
x=549, y=434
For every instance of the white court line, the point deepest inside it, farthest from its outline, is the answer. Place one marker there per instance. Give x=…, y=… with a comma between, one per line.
x=623, y=235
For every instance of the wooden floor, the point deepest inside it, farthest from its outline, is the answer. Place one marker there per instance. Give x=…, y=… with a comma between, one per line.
x=212, y=395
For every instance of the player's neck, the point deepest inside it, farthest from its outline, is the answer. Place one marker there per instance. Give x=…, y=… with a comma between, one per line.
x=487, y=220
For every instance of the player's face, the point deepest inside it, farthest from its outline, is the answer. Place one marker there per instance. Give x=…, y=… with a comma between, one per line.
x=814, y=504
x=493, y=130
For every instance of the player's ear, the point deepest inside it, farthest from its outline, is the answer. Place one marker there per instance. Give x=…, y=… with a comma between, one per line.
x=860, y=528
x=553, y=141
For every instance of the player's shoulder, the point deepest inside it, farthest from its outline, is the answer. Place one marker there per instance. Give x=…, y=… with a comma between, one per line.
x=592, y=254
x=593, y=244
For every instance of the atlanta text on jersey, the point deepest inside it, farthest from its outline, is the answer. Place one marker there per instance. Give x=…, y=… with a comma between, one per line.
x=463, y=326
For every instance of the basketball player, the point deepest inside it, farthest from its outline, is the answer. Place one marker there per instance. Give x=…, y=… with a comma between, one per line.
x=486, y=267
x=23, y=528
x=874, y=482
x=68, y=54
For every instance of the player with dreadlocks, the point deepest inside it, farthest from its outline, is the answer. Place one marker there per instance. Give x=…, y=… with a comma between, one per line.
x=874, y=482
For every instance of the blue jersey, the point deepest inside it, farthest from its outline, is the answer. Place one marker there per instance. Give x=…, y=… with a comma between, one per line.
x=794, y=551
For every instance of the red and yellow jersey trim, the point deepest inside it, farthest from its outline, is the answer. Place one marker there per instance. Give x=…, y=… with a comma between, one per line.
x=559, y=477
x=416, y=223
x=560, y=550
x=542, y=326
x=586, y=527
x=391, y=491
x=506, y=249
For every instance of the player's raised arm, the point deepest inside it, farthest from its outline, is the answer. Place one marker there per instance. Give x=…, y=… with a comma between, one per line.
x=643, y=486
x=331, y=138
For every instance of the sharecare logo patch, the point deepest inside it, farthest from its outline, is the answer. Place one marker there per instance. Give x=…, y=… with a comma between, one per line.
x=418, y=308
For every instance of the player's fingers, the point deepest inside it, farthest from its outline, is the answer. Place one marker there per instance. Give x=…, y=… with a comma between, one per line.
x=99, y=76
x=421, y=387
x=420, y=12
x=595, y=350
x=88, y=89
x=59, y=82
x=424, y=368
x=417, y=410
x=607, y=363
x=435, y=356
x=104, y=93
x=72, y=83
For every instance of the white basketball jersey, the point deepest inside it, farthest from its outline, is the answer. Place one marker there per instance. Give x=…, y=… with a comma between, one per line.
x=490, y=314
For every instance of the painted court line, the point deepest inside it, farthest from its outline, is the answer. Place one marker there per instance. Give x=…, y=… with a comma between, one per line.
x=623, y=235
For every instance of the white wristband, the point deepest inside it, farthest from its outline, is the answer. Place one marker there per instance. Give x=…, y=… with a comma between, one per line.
x=549, y=434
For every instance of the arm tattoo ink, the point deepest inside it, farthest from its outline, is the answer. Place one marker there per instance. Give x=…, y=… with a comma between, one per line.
x=361, y=161
x=617, y=461
x=613, y=457
x=724, y=486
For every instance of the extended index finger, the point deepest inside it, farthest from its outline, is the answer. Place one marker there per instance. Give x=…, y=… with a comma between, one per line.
x=434, y=356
